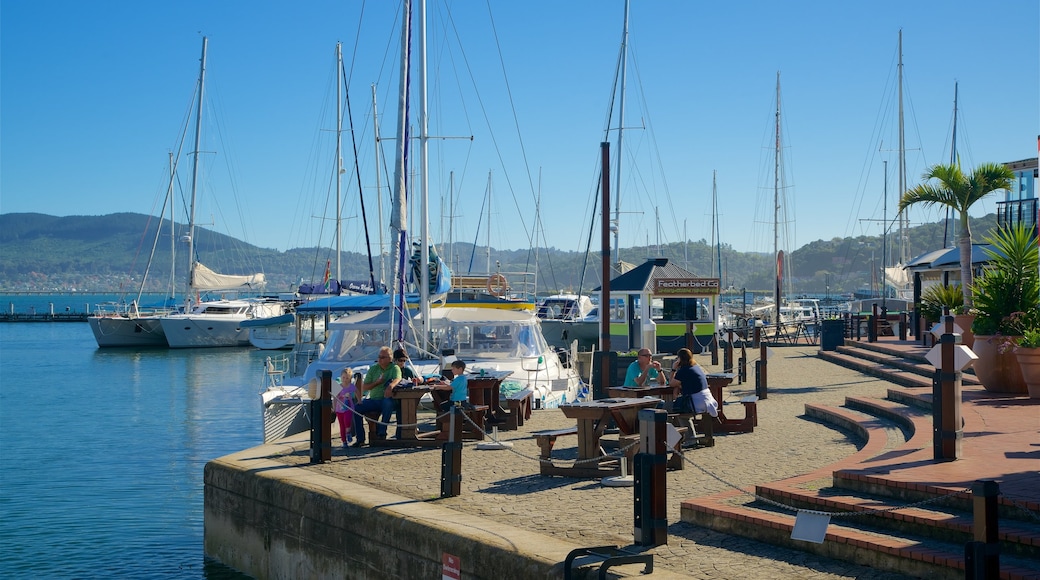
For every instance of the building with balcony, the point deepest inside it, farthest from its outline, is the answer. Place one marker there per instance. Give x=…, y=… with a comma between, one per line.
x=1020, y=202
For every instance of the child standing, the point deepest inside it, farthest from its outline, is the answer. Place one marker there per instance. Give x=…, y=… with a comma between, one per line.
x=343, y=404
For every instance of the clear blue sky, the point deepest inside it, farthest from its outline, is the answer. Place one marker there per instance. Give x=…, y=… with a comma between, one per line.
x=94, y=95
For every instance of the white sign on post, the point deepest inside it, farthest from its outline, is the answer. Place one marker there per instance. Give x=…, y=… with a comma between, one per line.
x=810, y=526
x=940, y=329
x=963, y=357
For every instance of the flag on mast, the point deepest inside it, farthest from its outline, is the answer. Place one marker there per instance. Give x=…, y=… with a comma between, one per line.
x=328, y=274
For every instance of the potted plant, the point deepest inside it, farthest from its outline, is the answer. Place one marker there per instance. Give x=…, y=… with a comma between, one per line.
x=1009, y=287
x=1028, y=352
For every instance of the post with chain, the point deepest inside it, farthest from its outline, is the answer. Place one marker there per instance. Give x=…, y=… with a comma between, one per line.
x=982, y=555
x=742, y=363
x=650, y=480
x=761, y=370
x=451, y=455
x=727, y=355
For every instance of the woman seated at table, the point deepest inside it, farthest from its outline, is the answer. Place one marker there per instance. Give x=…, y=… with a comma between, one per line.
x=695, y=397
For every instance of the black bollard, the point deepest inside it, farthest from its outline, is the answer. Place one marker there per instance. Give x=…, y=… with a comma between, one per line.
x=727, y=355
x=761, y=374
x=321, y=414
x=650, y=480
x=982, y=556
x=451, y=456
x=947, y=428
x=714, y=349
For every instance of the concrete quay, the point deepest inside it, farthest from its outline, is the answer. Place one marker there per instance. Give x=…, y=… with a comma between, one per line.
x=375, y=512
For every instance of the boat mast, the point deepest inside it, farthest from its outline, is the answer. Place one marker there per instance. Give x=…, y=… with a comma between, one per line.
x=884, y=242
x=777, y=268
x=716, y=236
x=195, y=181
x=953, y=160
x=339, y=155
x=399, y=215
x=424, y=137
x=620, y=135
x=904, y=226
x=379, y=192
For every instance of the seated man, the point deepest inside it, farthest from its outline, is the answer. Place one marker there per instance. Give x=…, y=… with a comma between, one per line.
x=378, y=387
x=644, y=371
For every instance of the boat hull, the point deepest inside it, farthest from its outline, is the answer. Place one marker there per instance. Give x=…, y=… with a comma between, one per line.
x=204, y=331
x=121, y=331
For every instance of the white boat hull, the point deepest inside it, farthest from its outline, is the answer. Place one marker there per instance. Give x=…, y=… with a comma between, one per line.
x=273, y=337
x=197, y=331
x=116, y=331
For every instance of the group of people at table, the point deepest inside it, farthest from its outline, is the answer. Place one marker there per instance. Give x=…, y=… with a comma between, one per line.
x=689, y=381
x=361, y=394
x=374, y=391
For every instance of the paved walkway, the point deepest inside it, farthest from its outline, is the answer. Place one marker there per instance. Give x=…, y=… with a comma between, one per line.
x=505, y=488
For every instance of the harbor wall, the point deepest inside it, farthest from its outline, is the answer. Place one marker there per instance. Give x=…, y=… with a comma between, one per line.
x=271, y=521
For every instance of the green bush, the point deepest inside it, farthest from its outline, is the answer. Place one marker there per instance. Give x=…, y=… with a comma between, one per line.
x=940, y=296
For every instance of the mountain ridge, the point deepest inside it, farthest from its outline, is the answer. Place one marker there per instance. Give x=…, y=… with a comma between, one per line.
x=108, y=253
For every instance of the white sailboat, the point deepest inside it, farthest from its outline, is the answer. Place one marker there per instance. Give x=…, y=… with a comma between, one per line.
x=486, y=338
x=130, y=324
x=214, y=323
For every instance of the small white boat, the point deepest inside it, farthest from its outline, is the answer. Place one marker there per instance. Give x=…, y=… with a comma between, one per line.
x=217, y=323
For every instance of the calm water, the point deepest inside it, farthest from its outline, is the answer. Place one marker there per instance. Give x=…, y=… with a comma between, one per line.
x=102, y=451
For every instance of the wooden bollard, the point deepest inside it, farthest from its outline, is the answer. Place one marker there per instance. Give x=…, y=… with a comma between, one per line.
x=650, y=480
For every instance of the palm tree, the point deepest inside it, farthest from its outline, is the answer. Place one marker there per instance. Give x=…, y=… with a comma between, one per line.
x=959, y=192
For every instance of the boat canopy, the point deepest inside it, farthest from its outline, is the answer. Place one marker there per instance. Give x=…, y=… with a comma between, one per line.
x=204, y=279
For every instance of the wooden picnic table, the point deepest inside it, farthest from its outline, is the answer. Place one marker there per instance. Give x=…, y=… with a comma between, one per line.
x=592, y=418
x=485, y=388
x=718, y=381
x=665, y=392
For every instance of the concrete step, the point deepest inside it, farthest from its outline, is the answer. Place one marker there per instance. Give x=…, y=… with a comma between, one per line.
x=902, y=377
x=900, y=534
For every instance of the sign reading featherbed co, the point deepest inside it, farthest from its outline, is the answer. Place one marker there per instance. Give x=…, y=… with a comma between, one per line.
x=686, y=286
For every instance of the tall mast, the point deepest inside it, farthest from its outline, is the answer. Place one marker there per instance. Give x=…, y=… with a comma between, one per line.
x=424, y=137
x=716, y=235
x=903, y=224
x=195, y=179
x=620, y=135
x=884, y=241
x=339, y=154
x=777, y=268
x=953, y=160
x=379, y=191
x=399, y=216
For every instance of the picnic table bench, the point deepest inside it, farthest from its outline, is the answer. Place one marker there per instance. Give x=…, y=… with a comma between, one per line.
x=520, y=405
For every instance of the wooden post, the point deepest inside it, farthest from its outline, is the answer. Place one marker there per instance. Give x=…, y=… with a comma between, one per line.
x=650, y=480
x=727, y=355
x=982, y=556
x=451, y=456
x=948, y=432
x=321, y=418
x=761, y=374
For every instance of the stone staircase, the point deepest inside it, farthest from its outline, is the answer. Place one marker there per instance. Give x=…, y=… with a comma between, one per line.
x=918, y=529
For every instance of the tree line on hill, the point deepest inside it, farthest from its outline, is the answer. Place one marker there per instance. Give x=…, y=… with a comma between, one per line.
x=109, y=253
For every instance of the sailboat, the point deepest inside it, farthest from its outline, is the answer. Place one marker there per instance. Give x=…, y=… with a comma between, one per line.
x=212, y=323
x=488, y=339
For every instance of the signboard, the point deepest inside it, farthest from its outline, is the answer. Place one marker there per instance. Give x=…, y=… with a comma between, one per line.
x=451, y=567
x=686, y=287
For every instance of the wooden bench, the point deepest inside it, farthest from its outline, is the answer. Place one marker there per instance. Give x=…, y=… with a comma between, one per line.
x=546, y=439
x=750, y=409
x=372, y=420
x=700, y=428
x=519, y=404
x=476, y=414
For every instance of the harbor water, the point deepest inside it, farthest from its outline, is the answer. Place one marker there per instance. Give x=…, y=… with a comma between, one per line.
x=102, y=451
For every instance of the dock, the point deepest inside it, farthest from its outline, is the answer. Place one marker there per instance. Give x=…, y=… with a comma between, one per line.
x=44, y=317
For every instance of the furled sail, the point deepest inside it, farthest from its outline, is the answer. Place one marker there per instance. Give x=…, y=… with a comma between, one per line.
x=204, y=279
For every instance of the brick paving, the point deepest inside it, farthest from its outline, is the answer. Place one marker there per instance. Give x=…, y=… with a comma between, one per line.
x=505, y=487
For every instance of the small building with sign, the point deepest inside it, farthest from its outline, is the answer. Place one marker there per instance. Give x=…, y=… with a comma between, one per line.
x=663, y=307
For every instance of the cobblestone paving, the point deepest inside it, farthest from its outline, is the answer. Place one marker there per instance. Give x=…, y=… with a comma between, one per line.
x=505, y=487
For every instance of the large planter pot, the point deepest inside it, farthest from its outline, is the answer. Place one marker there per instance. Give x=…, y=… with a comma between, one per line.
x=1029, y=362
x=964, y=321
x=997, y=371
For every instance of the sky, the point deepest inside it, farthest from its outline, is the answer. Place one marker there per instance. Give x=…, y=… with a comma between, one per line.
x=95, y=95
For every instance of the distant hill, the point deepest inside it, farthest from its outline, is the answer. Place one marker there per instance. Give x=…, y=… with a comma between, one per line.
x=109, y=253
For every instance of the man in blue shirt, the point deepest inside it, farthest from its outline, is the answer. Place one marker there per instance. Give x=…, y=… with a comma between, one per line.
x=644, y=371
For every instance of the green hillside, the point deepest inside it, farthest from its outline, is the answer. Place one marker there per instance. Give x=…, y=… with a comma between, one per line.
x=109, y=253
